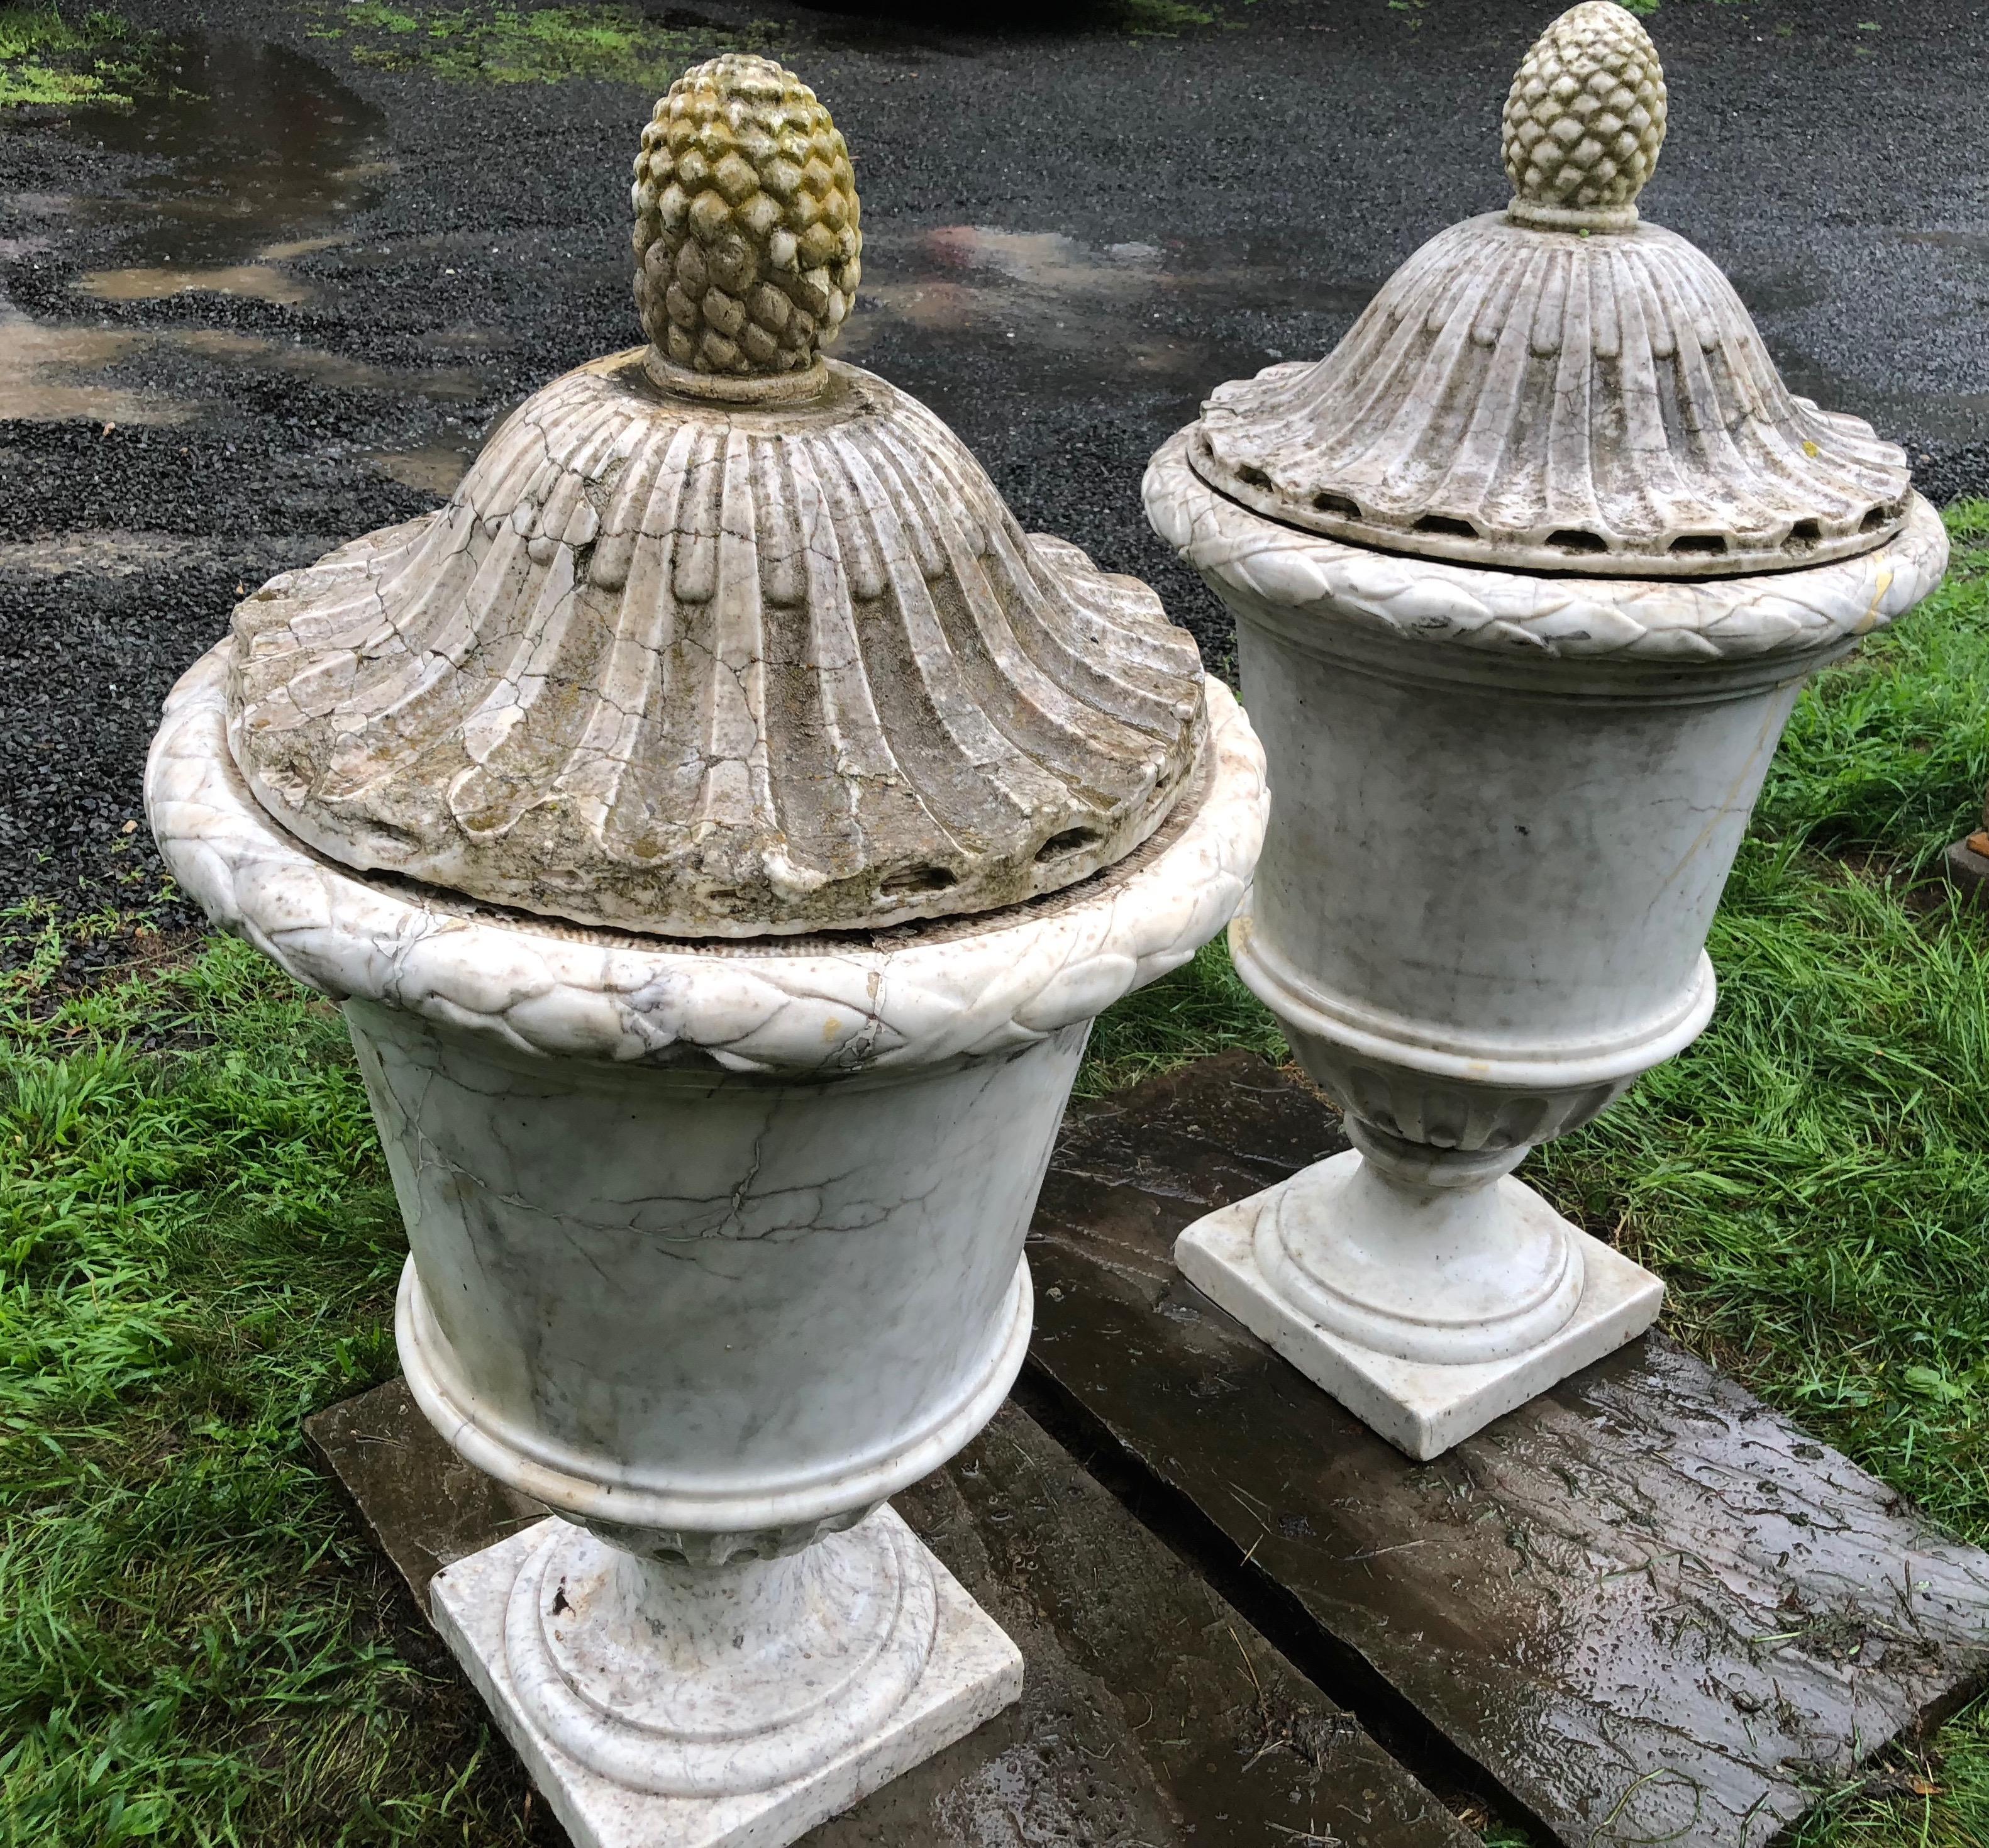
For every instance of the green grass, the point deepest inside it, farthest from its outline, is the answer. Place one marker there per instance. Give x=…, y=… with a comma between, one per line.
x=91, y=57
x=495, y=44
x=198, y=1247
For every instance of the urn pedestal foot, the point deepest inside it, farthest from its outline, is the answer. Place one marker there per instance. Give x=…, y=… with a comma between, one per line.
x=1967, y=866
x=1427, y=1312
x=661, y=1704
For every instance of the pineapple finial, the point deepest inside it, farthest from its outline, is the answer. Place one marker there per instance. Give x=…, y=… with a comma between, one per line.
x=747, y=235
x=1585, y=120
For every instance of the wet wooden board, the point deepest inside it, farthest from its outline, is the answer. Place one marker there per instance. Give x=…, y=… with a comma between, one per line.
x=1649, y=1607
x=1152, y=1713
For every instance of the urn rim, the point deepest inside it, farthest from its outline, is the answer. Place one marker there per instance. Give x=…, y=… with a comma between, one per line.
x=1783, y=620
x=811, y=1008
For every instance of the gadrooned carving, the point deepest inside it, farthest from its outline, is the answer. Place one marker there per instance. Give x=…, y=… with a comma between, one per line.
x=1427, y=601
x=1544, y=400
x=911, y=998
x=717, y=671
x=1560, y=387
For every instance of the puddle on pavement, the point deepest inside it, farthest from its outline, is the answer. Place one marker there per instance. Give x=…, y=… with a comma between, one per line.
x=253, y=158
x=251, y=143
x=50, y=373
x=44, y=374
x=259, y=282
x=433, y=469
x=1076, y=317
x=338, y=371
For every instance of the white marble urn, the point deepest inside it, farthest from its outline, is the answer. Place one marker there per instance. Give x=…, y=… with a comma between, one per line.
x=1526, y=576
x=720, y=824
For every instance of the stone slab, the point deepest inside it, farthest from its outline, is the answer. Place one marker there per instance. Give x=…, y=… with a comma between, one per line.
x=1151, y=1712
x=1649, y=1606
x=1421, y=1408
x=1967, y=870
x=974, y=1672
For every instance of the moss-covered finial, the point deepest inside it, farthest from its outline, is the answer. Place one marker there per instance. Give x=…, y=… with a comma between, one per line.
x=747, y=234
x=1585, y=120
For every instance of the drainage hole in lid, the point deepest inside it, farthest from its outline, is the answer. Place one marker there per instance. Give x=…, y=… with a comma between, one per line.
x=913, y=880
x=1253, y=478
x=1805, y=532
x=1336, y=503
x=1572, y=539
x=1443, y=523
x=1707, y=545
x=1876, y=518
x=1061, y=847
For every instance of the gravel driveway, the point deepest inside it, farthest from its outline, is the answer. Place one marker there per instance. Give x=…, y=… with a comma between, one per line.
x=278, y=300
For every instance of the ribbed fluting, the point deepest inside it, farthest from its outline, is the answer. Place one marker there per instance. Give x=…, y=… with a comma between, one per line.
x=699, y=669
x=1546, y=400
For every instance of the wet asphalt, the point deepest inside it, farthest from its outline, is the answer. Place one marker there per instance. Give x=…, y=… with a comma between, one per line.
x=281, y=304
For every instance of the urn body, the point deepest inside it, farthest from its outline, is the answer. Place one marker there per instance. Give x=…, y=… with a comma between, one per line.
x=1485, y=892
x=692, y=1308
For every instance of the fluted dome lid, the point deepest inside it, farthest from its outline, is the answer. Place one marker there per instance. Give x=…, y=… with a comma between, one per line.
x=1561, y=385
x=738, y=643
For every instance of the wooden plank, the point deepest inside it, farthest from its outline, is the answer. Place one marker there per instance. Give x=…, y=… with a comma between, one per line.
x=1648, y=1605
x=1152, y=1713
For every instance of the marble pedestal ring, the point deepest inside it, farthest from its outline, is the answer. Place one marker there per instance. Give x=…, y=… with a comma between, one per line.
x=1507, y=807
x=714, y=1247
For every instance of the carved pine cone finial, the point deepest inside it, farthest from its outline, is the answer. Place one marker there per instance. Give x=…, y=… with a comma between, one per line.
x=747, y=235
x=1585, y=120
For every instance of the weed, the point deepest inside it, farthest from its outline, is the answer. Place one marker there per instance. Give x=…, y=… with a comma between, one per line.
x=496, y=44
x=46, y=59
x=1157, y=18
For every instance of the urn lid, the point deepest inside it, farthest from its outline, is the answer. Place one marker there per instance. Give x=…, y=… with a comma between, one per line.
x=1561, y=385
x=720, y=637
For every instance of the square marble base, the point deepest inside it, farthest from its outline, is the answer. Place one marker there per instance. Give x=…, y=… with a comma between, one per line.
x=1419, y=1407
x=974, y=1672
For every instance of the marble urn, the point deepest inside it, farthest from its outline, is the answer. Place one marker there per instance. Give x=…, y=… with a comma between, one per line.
x=719, y=823
x=1526, y=575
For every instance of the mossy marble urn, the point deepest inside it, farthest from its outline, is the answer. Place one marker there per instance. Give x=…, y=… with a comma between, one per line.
x=720, y=824
x=1526, y=576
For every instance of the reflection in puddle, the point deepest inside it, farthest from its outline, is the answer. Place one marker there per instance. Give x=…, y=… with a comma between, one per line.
x=433, y=469
x=1173, y=318
x=260, y=281
x=251, y=142
x=46, y=373
x=37, y=366
x=1038, y=287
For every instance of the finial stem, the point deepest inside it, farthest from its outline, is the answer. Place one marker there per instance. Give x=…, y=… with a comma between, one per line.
x=736, y=388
